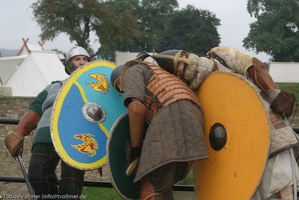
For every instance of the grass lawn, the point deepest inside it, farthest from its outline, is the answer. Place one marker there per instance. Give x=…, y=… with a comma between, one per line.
x=96, y=193
x=290, y=87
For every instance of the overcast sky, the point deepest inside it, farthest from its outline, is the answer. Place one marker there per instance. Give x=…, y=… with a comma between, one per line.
x=16, y=22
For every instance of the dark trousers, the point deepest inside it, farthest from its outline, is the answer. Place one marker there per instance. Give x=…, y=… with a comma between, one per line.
x=166, y=176
x=42, y=176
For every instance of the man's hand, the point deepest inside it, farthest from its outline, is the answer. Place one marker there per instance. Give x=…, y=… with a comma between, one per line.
x=14, y=142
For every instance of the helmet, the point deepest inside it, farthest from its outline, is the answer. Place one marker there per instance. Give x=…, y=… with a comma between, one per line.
x=75, y=51
x=115, y=76
x=169, y=59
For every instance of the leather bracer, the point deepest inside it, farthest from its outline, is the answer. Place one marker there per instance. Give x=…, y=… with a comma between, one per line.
x=283, y=104
x=260, y=76
x=27, y=123
x=15, y=140
x=137, y=115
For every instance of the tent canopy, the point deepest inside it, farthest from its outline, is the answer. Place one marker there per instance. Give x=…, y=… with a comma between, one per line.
x=7, y=67
x=29, y=74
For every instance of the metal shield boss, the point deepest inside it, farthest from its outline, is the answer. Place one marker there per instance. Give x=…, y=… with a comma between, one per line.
x=83, y=114
x=237, y=136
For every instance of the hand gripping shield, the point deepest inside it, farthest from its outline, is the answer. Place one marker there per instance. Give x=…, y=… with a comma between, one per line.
x=237, y=138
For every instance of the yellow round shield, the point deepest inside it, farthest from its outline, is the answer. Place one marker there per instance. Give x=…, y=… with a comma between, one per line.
x=237, y=138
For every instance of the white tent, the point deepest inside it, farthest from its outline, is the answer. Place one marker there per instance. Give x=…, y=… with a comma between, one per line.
x=29, y=74
x=8, y=65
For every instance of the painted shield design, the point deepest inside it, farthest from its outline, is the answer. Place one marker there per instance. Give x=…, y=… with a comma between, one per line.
x=83, y=114
x=237, y=136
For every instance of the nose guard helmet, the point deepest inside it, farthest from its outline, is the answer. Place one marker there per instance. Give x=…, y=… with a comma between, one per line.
x=75, y=51
x=169, y=60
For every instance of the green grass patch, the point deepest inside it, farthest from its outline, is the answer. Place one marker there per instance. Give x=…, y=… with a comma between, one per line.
x=290, y=87
x=96, y=193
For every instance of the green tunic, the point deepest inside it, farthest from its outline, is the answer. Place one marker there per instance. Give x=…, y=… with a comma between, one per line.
x=42, y=106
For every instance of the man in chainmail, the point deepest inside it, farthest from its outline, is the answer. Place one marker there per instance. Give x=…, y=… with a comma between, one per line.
x=44, y=158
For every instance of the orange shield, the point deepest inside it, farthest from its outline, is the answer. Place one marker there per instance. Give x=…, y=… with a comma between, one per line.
x=237, y=137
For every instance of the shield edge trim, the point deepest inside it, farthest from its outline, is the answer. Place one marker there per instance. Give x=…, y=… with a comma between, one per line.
x=107, y=154
x=267, y=116
x=58, y=102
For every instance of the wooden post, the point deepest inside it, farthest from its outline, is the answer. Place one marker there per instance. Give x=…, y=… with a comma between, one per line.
x=24, y=46
x=41, y=44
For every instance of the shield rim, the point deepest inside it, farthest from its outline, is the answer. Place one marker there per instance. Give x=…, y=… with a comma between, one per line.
x=267, y=119
x=54, y=130
x=114, y=184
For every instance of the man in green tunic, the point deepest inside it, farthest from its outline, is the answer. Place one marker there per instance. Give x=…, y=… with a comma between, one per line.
x=44, y=158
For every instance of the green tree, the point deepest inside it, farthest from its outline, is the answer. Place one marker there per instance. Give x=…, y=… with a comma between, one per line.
x=276, y=30
x=192, y=30
x=75, y=18
x=127, y=25
x=78, y=18
x=118, y=28
x=152, y=18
